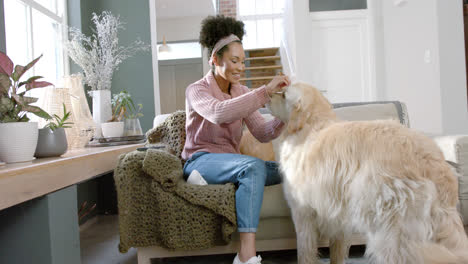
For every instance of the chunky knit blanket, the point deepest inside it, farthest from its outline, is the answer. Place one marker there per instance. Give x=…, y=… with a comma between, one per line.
x=158, y=208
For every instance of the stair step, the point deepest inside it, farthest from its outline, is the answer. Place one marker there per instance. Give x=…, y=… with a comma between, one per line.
x=262, y=52
x=257, y=78
x=263, y=58
x=265, y=49
x=264, y=67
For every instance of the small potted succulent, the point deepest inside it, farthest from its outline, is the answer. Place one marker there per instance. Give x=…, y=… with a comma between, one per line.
x=52, y=141
x=18, y=137
x=122, y=104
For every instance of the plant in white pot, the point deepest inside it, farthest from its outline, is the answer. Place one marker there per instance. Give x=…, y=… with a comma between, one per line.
x=122, y=104
x=18, y=137
x=52, y=141
x=99, y=56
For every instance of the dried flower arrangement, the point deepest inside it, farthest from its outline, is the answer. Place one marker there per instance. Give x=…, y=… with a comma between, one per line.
x=100, y=54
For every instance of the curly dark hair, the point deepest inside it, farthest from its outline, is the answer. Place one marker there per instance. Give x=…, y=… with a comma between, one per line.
x=214, y=28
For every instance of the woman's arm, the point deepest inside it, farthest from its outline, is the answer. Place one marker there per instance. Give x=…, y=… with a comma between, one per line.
x=218, y=112
x=262, y=130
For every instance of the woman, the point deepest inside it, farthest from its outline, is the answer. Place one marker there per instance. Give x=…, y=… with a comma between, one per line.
x=217, y=106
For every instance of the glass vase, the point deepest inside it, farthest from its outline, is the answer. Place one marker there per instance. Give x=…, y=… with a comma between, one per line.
x=132, y=127
x=73, y=96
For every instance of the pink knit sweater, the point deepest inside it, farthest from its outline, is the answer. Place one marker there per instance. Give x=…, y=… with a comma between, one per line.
x=214, y=119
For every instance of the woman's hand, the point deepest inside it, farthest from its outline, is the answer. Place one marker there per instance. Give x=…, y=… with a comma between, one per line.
x=277, y=84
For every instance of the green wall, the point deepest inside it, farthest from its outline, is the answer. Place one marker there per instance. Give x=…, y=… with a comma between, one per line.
x=136, y=73
x=86, y=191
x=41, y=231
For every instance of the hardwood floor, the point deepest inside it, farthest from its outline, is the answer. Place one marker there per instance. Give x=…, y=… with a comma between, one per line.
x=100, y=239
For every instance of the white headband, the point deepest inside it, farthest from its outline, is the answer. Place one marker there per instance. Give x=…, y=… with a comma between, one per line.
x=221, y=43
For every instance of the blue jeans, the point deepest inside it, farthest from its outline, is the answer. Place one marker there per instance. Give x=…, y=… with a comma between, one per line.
x=249, y=174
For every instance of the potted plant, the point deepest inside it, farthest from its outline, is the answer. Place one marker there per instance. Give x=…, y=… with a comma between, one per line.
x=18, y=137
x=122, y=103
x=52, y=140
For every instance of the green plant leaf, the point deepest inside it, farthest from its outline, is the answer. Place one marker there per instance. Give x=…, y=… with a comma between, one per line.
x=5, y=83
x=34, y=84
x=37, y=111
x=16, y=74
x=24, y=118
x=58, y=121
x=6, y=105
x=30, y=80
x=51, y=126
x=20, y=70
x=24, y=100
x=6, y=65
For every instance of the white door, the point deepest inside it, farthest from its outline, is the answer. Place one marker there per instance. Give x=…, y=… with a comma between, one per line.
x=334, y=50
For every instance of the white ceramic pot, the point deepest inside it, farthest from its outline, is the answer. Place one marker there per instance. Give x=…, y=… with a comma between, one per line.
x=112, y=129
x=18, y=141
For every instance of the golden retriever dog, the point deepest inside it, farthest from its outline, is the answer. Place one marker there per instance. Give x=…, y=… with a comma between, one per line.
x=377, y=178
x=249, y=145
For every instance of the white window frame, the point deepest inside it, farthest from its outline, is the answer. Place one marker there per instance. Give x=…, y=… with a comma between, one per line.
x=256, y=17
x=63, y=20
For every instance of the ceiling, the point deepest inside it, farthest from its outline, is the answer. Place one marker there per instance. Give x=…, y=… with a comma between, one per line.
x=167, y=9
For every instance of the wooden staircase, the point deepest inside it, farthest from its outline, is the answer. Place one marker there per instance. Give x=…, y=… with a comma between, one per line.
x=261, y=65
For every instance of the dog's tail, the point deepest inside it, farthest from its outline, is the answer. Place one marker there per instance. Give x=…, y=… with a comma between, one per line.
x=451, y=242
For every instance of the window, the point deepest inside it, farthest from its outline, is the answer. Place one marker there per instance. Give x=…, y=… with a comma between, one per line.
x=35, y=27
x=263, y=21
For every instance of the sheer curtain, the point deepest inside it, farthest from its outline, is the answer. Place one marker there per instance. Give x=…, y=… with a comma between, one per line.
x=287, y=42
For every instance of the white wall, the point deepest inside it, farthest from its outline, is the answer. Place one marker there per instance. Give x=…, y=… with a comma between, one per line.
x=410, y=32
x=416, y=53
x=452, y=67
x=332, y=51
x=179, y=29
x=182, y=29
x=154, y=57
x=423, y=56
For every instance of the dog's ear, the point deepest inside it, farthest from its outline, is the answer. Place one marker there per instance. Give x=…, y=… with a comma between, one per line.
x=297, y=118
